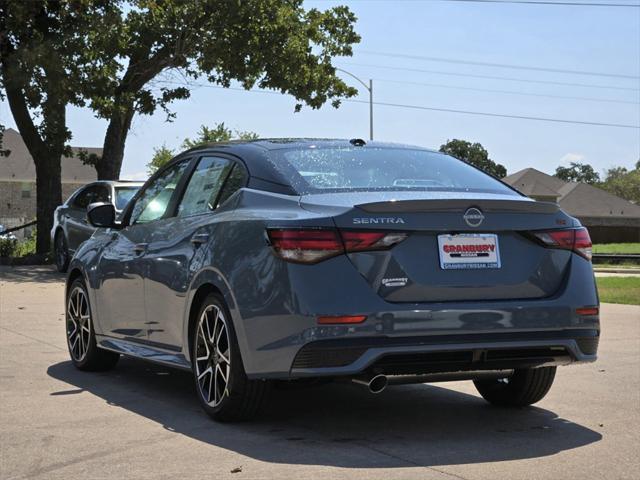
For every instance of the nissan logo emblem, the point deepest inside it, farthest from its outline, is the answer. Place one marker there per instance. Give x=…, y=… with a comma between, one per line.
x=473, y=217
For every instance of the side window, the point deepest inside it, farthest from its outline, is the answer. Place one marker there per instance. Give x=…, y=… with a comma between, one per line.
x=235, y=181
x=81, y=200
x=154, y=200
x=91, y=194
x=204, y=185
x=100, y=194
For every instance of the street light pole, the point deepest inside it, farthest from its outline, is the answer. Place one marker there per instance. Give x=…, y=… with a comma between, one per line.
x=370, y=109
x=370, y=89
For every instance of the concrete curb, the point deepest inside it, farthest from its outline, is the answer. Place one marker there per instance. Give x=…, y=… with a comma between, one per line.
x=630, y=271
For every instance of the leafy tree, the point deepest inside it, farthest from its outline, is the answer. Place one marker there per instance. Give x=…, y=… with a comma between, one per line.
x=161, y=156
x=220, y=133
x=3, y=151
x=475, y=154
x=45, y=56
x=578, y=172
x=623, y=183
x=126, y=57
x=155, y=48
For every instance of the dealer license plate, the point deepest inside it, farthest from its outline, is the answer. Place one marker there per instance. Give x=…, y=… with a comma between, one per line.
x=468, y=251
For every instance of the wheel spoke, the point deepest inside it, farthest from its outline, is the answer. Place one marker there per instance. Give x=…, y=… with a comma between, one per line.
x=72, y=308
x=222, y=330
x=208, y=370
x=224, y=375
x=214, y=381
x=73, y=341
x=215, y=326
x=77, y=304
x=223, y=356
x=204, y=340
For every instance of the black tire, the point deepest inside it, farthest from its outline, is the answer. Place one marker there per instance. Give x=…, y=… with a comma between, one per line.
x=239, y=398
x=61, y=252
x=524, y=387
x=83, y=350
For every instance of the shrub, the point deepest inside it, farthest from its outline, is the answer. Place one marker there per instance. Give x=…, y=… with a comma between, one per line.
x=7, y=246
x=16, y=249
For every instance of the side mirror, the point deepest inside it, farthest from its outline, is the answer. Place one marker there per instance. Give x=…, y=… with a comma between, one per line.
x=102, y=215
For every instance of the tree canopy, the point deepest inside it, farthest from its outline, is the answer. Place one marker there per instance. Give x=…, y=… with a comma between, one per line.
x=578, y=172
x=475, y=154
x=126, y=57
x=155, y=49
x=623, y=183
x=219, y=133
x=45, y=58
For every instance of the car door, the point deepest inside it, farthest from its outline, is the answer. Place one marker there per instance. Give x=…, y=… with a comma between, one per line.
x=179, y=246
x=78, y=228
x=122, y=264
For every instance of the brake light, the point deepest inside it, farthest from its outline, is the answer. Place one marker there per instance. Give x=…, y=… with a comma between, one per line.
x=574, y=239
x=314, y=245
x=355, y=241
x=306, y=246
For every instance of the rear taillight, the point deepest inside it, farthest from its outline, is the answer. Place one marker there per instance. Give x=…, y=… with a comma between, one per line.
x=314, y=245
x=574, y=239
x=355, y=241
x=306, y=246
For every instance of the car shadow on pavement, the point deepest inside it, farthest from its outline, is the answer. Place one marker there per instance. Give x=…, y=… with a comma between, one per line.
x=339, y=425
x=31, y=273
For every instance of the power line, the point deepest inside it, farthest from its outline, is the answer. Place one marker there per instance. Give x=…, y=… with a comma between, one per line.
x=548, y=2
x=494, y=77
x=510, y=92
x=496, y=65
x=531, y=2
x=501, y=115
x=446, y=110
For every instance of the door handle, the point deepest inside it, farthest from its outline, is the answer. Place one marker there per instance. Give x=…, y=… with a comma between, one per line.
x=200, y=238
x=140, y=248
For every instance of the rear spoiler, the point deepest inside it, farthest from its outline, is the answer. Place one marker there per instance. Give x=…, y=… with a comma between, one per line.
x=458, y=205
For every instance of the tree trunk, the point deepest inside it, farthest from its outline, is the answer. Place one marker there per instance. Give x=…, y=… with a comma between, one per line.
x=109, y=166
x=49, y=196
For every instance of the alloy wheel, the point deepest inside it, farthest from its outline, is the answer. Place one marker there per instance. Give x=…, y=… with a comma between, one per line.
x=78, y=324
x=213, y=359
x=61, y=251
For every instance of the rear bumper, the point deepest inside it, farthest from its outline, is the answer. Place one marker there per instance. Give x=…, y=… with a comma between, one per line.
x=445, y=353
x=274, y=337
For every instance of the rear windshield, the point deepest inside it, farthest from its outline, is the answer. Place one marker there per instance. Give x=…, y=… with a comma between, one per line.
x=123, y=195
x=370, y=169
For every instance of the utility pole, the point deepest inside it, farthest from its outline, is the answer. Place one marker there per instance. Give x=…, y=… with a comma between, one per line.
x=370, y=89
x=370, y=109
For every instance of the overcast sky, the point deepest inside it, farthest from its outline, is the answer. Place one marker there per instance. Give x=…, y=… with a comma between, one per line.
x=550, y=37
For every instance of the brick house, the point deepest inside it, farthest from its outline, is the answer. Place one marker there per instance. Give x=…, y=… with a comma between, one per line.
x=18, y=180
x=609, y=218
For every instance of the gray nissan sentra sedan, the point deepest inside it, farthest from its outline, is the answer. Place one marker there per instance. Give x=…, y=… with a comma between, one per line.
x=266, y=261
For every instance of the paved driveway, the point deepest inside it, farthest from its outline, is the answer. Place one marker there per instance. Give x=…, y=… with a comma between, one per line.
x=143, y=421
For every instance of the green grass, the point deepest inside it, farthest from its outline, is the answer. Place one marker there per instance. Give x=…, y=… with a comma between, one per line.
x=619, y=290
x=616, y=248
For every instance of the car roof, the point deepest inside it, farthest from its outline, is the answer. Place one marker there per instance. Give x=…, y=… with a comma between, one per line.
x=255, y=155
x=283, y=143
x=118, y=183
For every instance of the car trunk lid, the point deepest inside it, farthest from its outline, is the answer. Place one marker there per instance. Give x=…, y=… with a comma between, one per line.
x=413, y=270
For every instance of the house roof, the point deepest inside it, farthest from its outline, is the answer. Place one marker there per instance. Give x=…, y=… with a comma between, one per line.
x=577, y=199
x=583, y=200
x=534, y=183
x=19, y=165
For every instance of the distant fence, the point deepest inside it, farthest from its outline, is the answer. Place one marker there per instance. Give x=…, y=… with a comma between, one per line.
x=19, y=227
x=614, y=258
